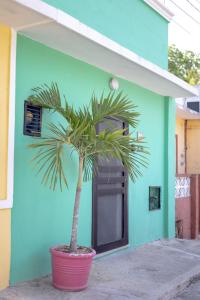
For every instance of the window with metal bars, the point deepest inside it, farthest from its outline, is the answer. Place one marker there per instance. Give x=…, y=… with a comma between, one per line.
x=32, y=119
x=154, y=197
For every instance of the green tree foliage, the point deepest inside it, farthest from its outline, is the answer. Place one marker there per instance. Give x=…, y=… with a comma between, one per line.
x=184, y=64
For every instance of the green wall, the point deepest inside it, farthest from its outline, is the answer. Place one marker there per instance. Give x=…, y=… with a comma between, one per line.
x=41, y=218
x=132, y=23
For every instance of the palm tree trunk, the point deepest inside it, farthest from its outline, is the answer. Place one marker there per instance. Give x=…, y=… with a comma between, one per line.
x=73, y=243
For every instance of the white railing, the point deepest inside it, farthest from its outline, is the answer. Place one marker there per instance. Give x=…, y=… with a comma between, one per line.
x=182, y=186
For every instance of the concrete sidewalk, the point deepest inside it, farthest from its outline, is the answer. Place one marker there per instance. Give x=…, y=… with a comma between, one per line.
x=155, y=271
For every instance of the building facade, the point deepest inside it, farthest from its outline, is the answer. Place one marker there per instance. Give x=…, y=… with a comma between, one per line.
x=82, y=45
x=187, y=167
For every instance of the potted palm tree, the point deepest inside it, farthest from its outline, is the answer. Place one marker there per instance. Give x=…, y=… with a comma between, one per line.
x=71, y=263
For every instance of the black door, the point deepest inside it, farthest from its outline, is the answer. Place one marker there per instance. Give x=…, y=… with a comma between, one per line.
x=110, y=185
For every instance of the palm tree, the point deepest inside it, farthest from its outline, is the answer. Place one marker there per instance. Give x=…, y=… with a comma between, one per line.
x=79, y=133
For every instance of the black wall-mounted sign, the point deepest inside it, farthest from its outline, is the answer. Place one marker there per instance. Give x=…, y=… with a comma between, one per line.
x=32, y=119
x=154, y=197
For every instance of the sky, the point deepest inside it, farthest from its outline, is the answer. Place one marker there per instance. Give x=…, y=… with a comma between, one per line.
x=184, y=28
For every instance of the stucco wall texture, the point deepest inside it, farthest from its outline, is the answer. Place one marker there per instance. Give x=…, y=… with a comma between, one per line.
x=188, y=211
x=180, y=131
x=42, y=218
x=193, y=146
x=183, y=214
x=133, y=24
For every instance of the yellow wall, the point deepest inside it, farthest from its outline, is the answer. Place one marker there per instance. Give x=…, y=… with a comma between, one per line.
x=4, y=95
x=5, y=214
x=193, y=146
x=180, y=131
x=5, y=225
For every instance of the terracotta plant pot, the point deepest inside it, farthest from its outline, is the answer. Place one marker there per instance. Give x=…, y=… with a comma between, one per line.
x=70, y=271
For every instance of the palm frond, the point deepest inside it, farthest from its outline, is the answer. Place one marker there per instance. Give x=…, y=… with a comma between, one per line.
x=47, y=97
x=114, y=145
x=115, y=106
x=80, y=132
x=49, y=160
x=90, y=167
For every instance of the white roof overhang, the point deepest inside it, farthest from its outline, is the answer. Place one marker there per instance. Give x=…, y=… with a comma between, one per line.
x=58, y=30
x=186, y=113
x=161, y=9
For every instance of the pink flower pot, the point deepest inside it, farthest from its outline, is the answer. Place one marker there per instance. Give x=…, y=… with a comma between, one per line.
x=70, y=271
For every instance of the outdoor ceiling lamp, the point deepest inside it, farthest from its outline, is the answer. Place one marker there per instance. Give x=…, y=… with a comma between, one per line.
x=114, y=84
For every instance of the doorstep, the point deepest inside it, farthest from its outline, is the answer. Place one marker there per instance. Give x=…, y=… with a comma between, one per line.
x=113, y=251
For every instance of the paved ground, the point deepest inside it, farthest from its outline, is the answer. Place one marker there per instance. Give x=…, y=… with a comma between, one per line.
x=192, y=292
x=156, y=271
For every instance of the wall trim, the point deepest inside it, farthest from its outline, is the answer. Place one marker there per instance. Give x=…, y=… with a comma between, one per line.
x=161, y=9
x=48, y=10
x=8, y=202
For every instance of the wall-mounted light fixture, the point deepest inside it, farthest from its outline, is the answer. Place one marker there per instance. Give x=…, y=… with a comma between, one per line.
x=32, y=119
x=114, y=84
x=140, y=136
